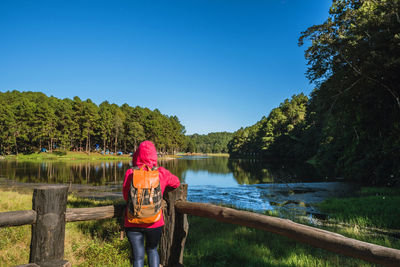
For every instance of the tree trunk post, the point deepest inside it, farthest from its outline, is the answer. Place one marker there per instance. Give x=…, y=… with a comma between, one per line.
x=175, y=229
x=48, y=233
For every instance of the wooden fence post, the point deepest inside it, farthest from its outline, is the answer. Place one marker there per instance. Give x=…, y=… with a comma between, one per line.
x=175, y=229
x=48, y=233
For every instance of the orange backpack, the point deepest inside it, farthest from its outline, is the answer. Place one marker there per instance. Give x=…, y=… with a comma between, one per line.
x=145, y=197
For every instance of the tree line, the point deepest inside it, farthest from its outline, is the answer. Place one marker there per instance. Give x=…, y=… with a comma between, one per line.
x=350, y=125
x=216, y=142
x=30, y=121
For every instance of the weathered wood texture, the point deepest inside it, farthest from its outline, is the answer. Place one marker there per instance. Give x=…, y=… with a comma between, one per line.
x=303, y=233
x=17, y=218
x=97, y=213
x=48, y=233
x=175, y=230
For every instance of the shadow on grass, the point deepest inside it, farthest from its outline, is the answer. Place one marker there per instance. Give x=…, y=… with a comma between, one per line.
x=60, y=153
x=74, y=202
x=105, y=230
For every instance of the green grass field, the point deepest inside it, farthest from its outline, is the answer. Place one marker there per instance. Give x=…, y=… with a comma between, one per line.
x=66, y=156
x=374, y=207
x=209, y=243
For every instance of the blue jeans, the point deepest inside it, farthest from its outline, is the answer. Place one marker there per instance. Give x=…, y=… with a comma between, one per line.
x=136, y=237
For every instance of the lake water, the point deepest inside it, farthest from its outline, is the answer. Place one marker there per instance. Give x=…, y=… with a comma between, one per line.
x=245, y=184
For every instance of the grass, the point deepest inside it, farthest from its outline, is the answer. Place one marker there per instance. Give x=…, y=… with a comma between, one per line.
x=209, y=243
x=71, y=156
x=373, y=207
x=66, y=155
x=14, y=241
x=96, y=243
x=92, y=243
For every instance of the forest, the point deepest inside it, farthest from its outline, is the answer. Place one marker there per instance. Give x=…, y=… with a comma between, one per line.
x=32, y=121
x=349, y=127
x=209, y=143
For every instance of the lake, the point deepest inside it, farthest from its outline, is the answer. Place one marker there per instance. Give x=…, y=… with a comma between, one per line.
x=245, y=184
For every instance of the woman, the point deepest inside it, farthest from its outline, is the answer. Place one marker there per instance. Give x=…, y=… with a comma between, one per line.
x=146, y=155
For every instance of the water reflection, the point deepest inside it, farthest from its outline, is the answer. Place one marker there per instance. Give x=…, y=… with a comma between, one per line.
x=258, y=172
x=246, y=184
x=212, y=165
x=218, y=171
x=93, y=173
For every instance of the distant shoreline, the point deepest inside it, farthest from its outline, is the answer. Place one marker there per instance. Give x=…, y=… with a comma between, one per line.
x=76, y=156
x=62, y=155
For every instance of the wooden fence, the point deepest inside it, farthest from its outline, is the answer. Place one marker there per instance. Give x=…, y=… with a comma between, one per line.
x=49, y=215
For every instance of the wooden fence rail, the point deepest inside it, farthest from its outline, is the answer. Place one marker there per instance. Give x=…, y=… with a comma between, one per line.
x=176, y=229
x=49, y=215
x=17, y=218
x=300, y=232
x=24, y=217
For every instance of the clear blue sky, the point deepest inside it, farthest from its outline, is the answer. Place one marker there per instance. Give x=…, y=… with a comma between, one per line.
x=217, y=65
